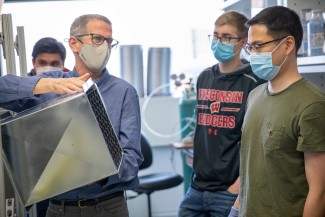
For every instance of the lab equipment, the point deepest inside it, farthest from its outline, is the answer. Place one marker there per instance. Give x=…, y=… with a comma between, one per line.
x=315, y=32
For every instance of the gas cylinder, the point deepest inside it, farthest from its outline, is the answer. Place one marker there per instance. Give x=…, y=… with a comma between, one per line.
x=187, y=115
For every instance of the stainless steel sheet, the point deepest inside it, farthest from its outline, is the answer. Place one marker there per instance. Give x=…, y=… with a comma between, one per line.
x=59, y=146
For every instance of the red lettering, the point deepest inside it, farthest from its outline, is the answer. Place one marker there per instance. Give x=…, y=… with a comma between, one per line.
x=215, y=107
x=231, y=122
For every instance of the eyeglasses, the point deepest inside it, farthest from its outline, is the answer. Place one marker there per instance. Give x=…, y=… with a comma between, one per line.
x=222, y=39
x=99, y=39
x=256, y=48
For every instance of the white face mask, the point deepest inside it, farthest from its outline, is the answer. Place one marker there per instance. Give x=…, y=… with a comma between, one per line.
x=95, y=57
x=40, y=70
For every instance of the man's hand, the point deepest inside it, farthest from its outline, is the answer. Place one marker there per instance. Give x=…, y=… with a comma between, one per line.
x=60, y=85
x=234, y=188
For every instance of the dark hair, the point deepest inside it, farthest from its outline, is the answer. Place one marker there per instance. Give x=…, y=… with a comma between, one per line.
x=280, y=22
x=234, y=19
x=49, y=45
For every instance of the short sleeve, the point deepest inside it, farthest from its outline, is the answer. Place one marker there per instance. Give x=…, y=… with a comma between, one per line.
x=312, y=128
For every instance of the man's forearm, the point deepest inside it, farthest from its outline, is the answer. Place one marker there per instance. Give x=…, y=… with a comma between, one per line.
x=14, y=87
x=315, y=204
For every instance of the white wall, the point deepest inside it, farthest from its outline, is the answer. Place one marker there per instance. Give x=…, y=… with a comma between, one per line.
x=145, y=22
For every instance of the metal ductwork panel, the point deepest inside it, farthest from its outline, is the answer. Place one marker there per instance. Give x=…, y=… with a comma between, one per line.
x=59, y=146
x=158, y=74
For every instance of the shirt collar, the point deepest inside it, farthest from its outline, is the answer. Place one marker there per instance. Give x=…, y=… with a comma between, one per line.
x=99, y=80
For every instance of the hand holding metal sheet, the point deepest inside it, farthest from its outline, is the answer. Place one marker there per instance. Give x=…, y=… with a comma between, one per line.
x=61, y=85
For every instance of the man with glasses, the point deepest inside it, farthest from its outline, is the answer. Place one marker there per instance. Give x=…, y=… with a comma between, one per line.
x=222, y=90
x=282, y=157
x=91, y=43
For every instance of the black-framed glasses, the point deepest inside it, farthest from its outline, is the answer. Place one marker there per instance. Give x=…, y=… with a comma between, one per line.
x=99, y=39
x=256, y=48
x=222, y=39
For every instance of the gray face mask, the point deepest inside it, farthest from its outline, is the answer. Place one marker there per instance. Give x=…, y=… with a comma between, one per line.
x=95, y=57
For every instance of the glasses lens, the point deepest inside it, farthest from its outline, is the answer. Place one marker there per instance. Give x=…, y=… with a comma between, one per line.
x=248, y=49
x=225, y=40
x=114, y=43
x=97, y=39
x=110, y=41
x=210, y=38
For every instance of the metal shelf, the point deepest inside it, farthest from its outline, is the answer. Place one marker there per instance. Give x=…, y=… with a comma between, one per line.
x=312, y=65
x=315, y=60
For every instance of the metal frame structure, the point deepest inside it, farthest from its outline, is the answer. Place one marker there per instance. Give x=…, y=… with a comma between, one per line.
x=8, y=203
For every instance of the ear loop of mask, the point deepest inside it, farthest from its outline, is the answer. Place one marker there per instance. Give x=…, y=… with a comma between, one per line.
x=276, y=48
x=235, y=45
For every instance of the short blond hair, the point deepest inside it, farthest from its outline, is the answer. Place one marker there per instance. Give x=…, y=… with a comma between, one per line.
x=235, y=19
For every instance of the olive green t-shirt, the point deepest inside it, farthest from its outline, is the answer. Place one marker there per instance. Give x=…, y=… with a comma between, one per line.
x=278, y=128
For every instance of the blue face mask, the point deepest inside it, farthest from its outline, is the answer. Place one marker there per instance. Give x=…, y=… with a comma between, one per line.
x=222, y=52
x=262, y=65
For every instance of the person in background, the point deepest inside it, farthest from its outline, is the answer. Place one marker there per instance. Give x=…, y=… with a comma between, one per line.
x=282, y=157
x=91, y=42
x=222, y=90
x=48, y=54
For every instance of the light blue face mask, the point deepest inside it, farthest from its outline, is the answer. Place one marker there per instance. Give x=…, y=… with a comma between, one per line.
x=262, y=64
x=222, y=52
